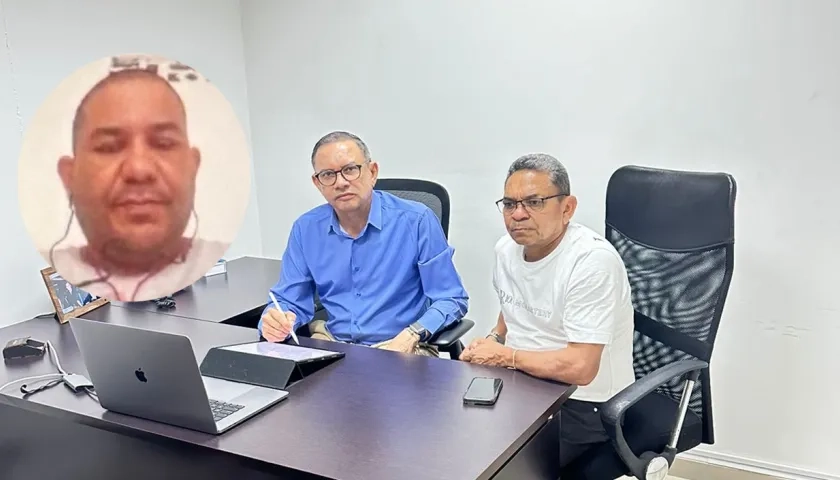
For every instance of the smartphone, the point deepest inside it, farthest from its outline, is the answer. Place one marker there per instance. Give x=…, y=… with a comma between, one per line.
x=483, y=391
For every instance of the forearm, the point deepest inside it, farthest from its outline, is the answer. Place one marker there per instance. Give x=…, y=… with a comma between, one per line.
x=501, y=327
x=442, y=313
x=303, y=315
x=559, y=365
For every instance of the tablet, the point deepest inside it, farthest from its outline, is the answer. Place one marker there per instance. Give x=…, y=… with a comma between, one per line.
x=281, y=350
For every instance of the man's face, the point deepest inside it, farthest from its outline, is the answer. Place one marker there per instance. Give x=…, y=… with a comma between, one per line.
x=535, y=223
x=132, y=176
x=344, y=195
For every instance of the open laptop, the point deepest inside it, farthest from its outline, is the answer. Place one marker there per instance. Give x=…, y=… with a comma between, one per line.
x=154, y=375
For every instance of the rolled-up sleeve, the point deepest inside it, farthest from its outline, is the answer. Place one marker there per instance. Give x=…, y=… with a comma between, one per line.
x=441, y=282
x=295, y=290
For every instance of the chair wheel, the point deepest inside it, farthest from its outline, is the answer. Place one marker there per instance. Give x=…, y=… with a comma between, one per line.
x=657, y=469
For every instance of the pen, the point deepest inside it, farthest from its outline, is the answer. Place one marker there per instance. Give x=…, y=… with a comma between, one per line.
x=277, y=306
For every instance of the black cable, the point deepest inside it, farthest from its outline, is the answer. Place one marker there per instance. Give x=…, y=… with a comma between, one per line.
x=105, y=277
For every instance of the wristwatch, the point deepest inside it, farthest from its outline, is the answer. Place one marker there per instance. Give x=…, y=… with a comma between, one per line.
x=420, y=331
x=495, y=336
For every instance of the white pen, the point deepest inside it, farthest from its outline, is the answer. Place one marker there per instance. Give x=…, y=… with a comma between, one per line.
x=277, y=306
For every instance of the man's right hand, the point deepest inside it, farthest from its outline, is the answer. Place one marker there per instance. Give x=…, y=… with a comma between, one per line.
x=277, y=325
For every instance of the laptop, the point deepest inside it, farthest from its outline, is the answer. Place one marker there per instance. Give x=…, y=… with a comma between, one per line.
x=155, y=376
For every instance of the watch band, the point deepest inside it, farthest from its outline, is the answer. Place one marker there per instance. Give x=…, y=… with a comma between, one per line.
x=496, y=337
x=420, y=331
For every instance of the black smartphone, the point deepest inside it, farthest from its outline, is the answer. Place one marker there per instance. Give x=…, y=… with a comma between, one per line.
x=483, y=391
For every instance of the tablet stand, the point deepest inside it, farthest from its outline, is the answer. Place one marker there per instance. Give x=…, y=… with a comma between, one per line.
x=260, y=370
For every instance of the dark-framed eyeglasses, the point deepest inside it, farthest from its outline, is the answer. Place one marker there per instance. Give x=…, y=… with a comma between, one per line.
x=533, y=204
x=350, y=172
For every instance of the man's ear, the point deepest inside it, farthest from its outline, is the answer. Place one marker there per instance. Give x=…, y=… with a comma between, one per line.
x=569, y=208
x=374, y=171
x=195, y=153
x=65, y=173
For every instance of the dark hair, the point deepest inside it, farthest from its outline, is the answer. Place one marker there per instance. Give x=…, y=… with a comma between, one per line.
x=340, y=136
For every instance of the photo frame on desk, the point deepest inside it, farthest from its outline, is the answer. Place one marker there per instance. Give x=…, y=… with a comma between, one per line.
x=68, y=300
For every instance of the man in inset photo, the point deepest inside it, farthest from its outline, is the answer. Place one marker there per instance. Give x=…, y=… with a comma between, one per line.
x=131, y=182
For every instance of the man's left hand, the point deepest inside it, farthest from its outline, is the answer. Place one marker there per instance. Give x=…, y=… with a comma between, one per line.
x=488, y=352
x=405, y=342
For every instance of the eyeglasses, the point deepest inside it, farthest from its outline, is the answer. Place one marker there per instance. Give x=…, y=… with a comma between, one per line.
x=350, y=172
x=534, y=204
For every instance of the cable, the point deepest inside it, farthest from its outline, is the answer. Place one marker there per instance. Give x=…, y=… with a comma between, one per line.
x=29, y=379
x=54, y=355
x=54, y=379
x=106, y=276
x=61, y=372
x=92, y=394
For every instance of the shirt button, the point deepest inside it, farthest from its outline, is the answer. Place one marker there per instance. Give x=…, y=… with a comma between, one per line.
x=355, y=269
x=358, y=294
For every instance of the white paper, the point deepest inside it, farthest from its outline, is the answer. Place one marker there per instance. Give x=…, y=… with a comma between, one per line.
x=280, y=350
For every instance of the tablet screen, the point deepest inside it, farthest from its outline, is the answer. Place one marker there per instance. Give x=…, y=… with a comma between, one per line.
x=280, y=350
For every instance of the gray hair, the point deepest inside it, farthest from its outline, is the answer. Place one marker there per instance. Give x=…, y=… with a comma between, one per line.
x=340, y=136
x=541, y=162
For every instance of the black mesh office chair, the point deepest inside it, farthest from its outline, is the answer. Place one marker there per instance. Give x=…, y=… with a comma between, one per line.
x=675, y=233
x=436, y=198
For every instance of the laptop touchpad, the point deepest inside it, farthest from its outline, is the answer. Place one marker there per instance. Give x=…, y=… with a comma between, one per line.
x=224, y=390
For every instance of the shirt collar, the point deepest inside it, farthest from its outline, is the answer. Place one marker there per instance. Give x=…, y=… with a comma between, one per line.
x=374, y=217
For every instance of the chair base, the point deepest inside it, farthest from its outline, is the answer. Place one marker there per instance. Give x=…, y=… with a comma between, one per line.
x=647, y=428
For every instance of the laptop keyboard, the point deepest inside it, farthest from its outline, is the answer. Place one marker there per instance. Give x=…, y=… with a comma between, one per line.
x=223, y=409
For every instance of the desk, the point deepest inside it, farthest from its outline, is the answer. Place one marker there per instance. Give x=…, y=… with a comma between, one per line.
x=221, y=298
x=372, y=415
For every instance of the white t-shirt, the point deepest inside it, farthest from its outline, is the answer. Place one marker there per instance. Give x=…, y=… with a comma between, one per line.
x=174, y=277
x=579, y=293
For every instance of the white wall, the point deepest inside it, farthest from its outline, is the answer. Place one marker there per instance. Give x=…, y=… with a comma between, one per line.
x=49, y=39
x=453, y=91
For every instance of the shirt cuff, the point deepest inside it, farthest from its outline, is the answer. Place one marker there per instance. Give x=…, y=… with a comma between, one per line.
x=432, y=320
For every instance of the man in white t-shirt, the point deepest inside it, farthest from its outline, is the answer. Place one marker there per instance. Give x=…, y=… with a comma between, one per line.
x=566, y=313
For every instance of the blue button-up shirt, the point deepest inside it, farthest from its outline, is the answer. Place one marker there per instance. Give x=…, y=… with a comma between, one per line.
x=399, y=270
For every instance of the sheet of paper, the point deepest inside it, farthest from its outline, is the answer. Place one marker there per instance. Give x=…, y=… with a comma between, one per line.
x=280, y=350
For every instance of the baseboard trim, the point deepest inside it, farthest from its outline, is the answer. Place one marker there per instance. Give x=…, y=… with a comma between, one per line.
x=773, y=470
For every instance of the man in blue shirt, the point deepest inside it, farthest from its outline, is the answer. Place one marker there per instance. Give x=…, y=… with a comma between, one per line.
x=381, y=265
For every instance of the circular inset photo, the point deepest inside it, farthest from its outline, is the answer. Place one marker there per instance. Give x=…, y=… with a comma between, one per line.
x=134, y=177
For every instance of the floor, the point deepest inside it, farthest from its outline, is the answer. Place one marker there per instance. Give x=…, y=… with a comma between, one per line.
x=669, y=477
x=688, y=470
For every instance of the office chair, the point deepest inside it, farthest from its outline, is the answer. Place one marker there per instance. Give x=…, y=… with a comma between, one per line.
x=675, y=232
x=435, y=197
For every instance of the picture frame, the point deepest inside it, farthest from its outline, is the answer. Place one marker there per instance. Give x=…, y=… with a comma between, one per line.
x=69, y=301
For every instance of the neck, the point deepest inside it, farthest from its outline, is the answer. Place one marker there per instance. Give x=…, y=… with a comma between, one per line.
x=354, y=222
x=118, y=259
x=536, y=253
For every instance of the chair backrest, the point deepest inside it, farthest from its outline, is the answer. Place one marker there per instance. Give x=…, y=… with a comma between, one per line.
x=431, y=194
x=675, y=232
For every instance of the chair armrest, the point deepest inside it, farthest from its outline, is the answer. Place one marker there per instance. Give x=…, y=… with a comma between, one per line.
x=451, y=334
x=613, y=411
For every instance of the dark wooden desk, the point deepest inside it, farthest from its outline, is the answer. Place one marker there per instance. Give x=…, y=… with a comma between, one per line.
x=222, y=298
x=372, y=415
